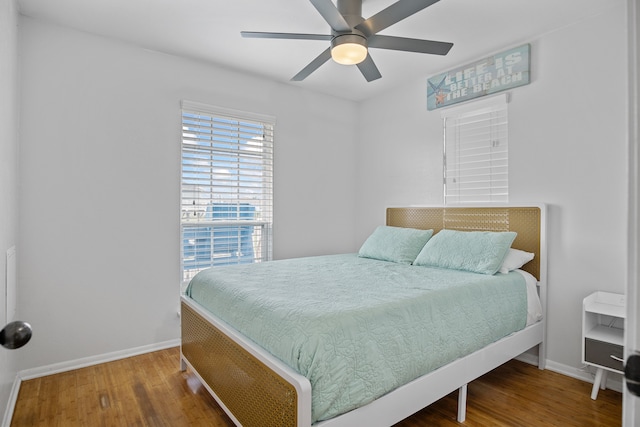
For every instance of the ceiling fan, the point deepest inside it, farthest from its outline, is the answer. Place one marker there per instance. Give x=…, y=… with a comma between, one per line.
x=352, y=35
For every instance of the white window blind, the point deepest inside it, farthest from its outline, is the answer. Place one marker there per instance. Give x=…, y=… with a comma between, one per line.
x=476, y=152
x=226, y=187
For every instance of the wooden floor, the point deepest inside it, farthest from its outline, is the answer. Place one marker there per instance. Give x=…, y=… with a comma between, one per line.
x=150, y=390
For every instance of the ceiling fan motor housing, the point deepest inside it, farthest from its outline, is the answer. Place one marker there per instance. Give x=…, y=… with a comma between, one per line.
x=348, y=39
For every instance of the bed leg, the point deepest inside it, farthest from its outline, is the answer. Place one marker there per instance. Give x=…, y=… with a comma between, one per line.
x=542, y=356
x=183, y=364
x=462, y=403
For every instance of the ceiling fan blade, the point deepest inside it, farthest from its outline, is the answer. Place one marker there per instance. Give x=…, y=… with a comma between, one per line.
x=369, y=70
x=313, y=65
x=409, y=45
x=296, y=36
x=392, y=14
x=332, y=15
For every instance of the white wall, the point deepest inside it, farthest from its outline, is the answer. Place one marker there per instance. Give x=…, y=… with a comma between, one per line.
x=567, y=148
x=99, y=177
x=8, y=171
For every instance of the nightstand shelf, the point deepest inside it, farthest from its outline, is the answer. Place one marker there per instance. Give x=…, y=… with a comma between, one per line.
x=603, y=316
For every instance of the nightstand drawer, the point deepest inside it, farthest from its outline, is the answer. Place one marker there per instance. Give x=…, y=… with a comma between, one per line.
x=600, y=352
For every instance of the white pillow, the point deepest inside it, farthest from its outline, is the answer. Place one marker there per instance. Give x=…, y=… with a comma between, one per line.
x=534, y=306
x=515, y=259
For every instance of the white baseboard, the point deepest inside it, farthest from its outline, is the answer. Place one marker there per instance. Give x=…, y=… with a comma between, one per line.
x=586, y=374
x=57, y=368
x=11, y=404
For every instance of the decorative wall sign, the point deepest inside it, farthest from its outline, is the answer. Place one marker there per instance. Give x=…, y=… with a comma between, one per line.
x=496, y=73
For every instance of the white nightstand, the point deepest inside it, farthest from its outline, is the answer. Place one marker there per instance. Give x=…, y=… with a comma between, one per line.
x=603, y=316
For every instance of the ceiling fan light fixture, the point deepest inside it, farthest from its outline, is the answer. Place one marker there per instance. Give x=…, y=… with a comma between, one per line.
x=349, y=49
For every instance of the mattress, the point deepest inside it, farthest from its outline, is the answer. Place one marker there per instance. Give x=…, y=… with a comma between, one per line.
x=358, y=328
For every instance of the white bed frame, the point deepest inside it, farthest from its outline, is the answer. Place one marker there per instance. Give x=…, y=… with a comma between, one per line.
x=412, y=397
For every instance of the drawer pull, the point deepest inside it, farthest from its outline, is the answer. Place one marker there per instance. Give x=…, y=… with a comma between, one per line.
x=616, y=358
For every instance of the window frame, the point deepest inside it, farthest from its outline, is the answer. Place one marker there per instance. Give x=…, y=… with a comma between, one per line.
x=492, y=185
x=229, y=179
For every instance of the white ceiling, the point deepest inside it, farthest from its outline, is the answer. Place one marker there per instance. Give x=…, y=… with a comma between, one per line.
x=209, y=30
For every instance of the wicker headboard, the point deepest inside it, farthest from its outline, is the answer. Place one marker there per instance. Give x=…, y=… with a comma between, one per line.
x=526, y=221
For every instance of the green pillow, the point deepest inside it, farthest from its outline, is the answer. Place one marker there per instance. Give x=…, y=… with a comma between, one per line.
x=475, y=251
x=395, y=244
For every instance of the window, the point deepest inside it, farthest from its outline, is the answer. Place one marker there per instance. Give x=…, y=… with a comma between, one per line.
x=476, y=152
x=226, y=188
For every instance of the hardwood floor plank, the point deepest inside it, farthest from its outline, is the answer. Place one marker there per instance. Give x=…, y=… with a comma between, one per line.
x=150, y=391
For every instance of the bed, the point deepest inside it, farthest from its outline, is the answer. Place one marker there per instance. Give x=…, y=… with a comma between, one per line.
x=257, y=388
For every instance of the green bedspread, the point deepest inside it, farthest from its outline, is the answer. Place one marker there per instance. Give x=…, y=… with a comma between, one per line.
x=358, y=328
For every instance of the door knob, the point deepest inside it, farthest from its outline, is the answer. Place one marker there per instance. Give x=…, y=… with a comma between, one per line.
x=15, y=335
x=632, y=374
